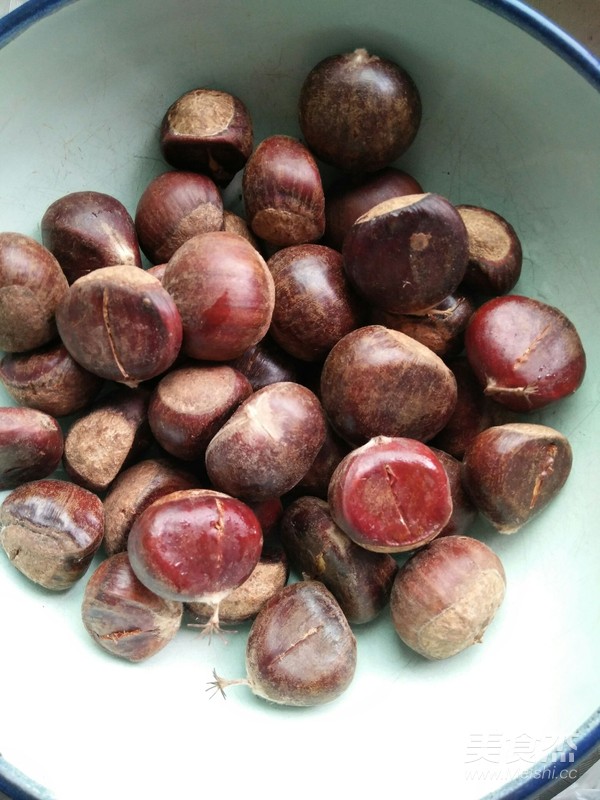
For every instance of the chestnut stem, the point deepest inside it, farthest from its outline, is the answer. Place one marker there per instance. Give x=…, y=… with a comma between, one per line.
x=220, y=684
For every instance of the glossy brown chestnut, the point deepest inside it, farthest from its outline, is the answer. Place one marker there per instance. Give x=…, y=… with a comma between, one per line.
x=314, y=303
x=446, y=595
x=190, y=404
x=50, y=530
x=407, y=254
x=283, y=193
x=133, y=491
x=121, y=324
x=379, y=382
x=390, y=495
x=360, y=580
x=123, y=616
x=49, y=379
x=525, y=353
x=31, y=446
x=513, y=471
x=174, y=207
x=358, y=111
x=268, y=444
x=32, y=285
x=207, y=131
x=107, y=438
x=351, y=196
x=89, y=230
x=224, y=292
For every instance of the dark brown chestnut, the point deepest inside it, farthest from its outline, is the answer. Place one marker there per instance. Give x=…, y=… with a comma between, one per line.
x=31, y=446
x=407, y=254
x=265, y=362
x=316, y=480
x=358, y=111
x=32, y=285
x=174, y=207
x=88, y=230
x=283, y=193
x=209, y=131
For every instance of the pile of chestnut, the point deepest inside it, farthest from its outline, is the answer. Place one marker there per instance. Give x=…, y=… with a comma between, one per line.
x=341, y=377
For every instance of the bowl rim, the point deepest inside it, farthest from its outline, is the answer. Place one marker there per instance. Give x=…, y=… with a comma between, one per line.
x=582, y=748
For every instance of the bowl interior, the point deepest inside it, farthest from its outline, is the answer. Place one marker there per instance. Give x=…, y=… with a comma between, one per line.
x=508, y=125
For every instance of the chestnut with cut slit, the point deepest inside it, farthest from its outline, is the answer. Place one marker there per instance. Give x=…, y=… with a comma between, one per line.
x=31, y=446
x=513, y=471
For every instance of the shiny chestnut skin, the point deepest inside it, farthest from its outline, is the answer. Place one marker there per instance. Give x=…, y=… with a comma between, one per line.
x=174, y=207
x=224, y=292
x=358, y=111
x=283, y=193
x=314, y=303
x=208, y=131
x=49, y=379
x=379, y=382
x=31, y=446
x=390, y=495
x=121, y=324
x=526, y=354
x=50, y=530
x=88, y=230
x=124, y=617
x=32, y=285
x=268, y=444
x=351, y=196
x=407, y=254
x=360, y=580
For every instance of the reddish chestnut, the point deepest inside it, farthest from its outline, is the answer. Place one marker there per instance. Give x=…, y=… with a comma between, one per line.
x=525, y=353
x=119, y=323
x=32, y=285
x=89, y=230
x=390, y=495
x=268, y=444
x=174, y=207
x=379, y=382
x=31, y=446
x=283, y=193
x=224, y=292
x=207, y=131
x=407, y=254
x=123, y=616
x=513, y=471
x=358, y=111
x=446, y=595
x=314, y=304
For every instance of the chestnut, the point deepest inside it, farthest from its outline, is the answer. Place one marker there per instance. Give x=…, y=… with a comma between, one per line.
x=224, y=292
x=123, y=616
x=379, y=382
x=358, y=111
x=190, y=404
x=89, y=230
x=266, y=362
x=407, y=254
x=50, y=530
x=446, y=595
x=351, y=196
x=31, y=446
x=526, y=354
x=390, y=495
x=32, y=285
x=495, y=252
x=174, y=207
x=207, y=131
x=49, y=379
x=314, y=304
x=513, y=471
x=268, y=444
x=283, y=193
x=121, y=324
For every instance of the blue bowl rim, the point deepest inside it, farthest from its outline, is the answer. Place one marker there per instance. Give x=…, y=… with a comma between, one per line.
x=585, y=741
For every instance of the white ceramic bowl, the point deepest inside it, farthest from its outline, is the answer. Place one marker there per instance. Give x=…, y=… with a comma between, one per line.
x=511, y=122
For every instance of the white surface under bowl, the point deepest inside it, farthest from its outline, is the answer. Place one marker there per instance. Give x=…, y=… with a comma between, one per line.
x=508, y=124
